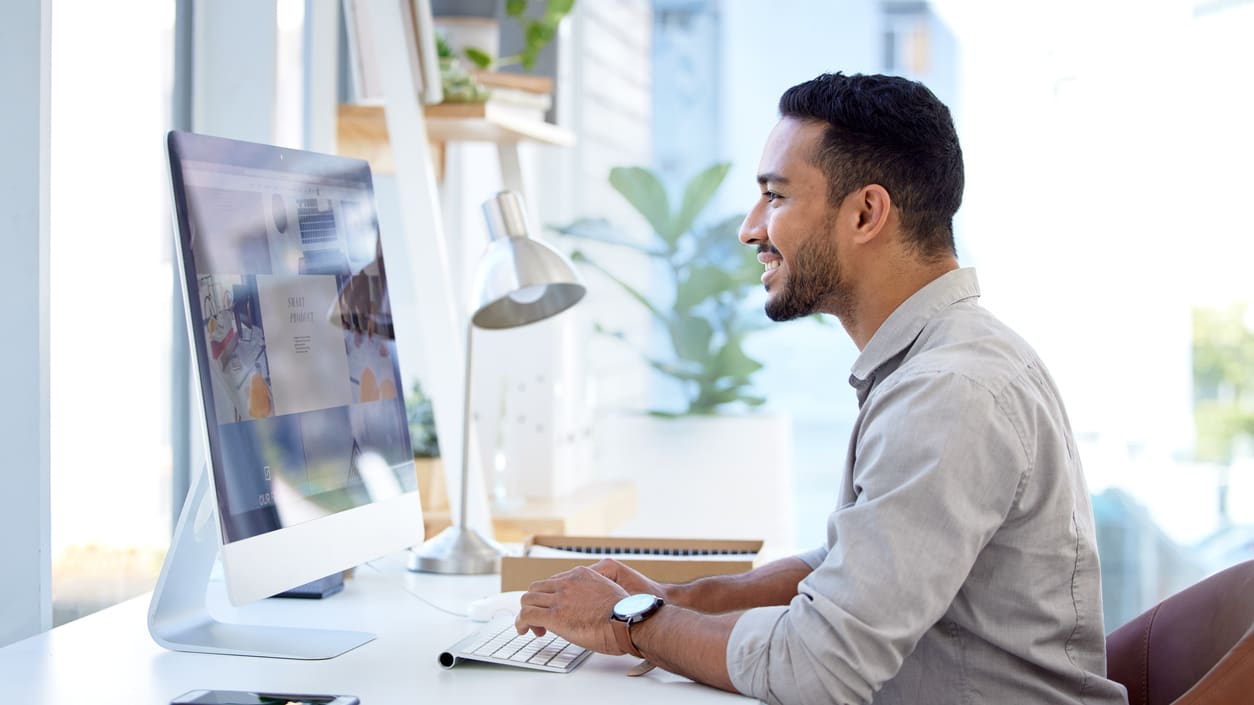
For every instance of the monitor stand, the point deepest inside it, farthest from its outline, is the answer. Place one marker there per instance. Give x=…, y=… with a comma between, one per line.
x=179, y=618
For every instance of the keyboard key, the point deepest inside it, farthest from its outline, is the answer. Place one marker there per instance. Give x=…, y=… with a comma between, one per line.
x=546, y=653
x=511, y=647
x=507, y=646
x=567, y=655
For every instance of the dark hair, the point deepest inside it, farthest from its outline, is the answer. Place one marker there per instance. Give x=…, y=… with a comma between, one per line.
x=890, y=131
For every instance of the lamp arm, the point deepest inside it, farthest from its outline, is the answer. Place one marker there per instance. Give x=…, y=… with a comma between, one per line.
x=465, y=491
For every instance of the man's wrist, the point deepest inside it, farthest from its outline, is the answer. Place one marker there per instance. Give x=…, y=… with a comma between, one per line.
x=642, y=631
x=676, y=593
x=628, y=614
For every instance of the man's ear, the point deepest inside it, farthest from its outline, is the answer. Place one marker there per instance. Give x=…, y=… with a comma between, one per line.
x=872, y=207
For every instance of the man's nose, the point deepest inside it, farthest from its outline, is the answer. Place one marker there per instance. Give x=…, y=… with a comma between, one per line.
x=753, y=229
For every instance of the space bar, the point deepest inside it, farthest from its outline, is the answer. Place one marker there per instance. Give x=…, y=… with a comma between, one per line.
x=567, y=655
x=544, y=655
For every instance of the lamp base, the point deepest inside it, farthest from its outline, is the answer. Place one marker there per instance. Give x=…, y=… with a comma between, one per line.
x=457, y=550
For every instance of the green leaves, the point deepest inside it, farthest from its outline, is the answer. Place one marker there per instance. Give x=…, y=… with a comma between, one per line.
x=710, y=272
x=646, y=194
x=537, y=33
x=600, y=230
x=578, y=256
x=691, y=337
x=559, y=8
x=478, y=57
x=1223, y=380
x=644, y=191
x=697, y=196
x=701, y=284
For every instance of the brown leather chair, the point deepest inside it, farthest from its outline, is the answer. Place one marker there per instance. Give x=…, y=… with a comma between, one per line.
x=1193, y=648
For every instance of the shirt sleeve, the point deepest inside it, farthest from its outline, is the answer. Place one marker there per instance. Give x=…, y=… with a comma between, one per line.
x=814, y=558
x=939, y=463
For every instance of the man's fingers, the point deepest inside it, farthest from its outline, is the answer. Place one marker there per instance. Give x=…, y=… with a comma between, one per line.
x=548, y=585
x=556, y=583
x=608, y=567
x=533, y=618
x=522, y=629
x=533, y=610
x=538, y=599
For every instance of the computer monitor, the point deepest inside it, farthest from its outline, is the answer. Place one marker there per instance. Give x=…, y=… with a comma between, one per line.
x=309, y=463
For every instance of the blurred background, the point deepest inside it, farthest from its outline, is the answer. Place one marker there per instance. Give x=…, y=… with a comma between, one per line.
x=1107, y=146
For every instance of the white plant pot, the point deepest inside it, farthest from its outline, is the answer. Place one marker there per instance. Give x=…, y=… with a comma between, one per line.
x=532, y=411
x=482, y=33
x=704, y=476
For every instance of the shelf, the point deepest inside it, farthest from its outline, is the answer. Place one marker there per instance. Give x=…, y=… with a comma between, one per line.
x=362, y=130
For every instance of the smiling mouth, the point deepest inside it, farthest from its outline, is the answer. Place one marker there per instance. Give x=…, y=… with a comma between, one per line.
x=769, y=273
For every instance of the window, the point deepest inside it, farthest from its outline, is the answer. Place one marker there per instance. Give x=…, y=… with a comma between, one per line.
x=111, y=303
x=112, y=299
x=1093, y=135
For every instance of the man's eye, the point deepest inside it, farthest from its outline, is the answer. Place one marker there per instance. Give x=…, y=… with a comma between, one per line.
x=770, y=195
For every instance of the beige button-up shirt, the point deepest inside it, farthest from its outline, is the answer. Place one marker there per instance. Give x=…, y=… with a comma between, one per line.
x=960, y=564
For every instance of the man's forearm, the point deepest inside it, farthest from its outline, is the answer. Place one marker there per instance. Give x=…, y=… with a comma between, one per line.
x=772, y=584
x=688, y=643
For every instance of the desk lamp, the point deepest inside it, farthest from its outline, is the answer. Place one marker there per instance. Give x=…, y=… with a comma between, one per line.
x=519, y=281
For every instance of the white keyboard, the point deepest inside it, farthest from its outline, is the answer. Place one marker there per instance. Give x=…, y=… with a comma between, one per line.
x=507, y=647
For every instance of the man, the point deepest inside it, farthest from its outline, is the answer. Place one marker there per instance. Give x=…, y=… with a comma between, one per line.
x=960, y=564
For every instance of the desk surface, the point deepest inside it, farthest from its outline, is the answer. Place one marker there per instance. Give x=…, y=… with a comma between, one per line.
x=108, y=657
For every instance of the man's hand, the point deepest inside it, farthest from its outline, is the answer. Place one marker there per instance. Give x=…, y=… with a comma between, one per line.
x=576, y=605
x=631, y=580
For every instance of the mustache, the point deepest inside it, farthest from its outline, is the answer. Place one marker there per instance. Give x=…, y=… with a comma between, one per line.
x=763, y=248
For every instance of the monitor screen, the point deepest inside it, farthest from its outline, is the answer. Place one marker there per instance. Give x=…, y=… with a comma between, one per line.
x=287, y=297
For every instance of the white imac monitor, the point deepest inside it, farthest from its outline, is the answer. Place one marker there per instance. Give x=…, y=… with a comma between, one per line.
x=309, y=465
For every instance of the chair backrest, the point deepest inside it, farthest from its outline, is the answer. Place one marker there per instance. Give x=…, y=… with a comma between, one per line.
x=1196, y=646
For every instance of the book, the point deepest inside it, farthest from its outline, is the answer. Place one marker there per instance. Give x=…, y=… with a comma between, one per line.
x=521, y=99
x=525, y=82
x=428, y=57
x=363, y=65
x=490, y=109
x=419, y=29
x=671, y=560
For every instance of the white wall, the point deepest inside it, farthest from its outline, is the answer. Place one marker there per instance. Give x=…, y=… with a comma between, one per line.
x=612, y=112
x=1076, y=146
x=764, y=52
x=534, y=376
x=233, y=67
x=25, y=580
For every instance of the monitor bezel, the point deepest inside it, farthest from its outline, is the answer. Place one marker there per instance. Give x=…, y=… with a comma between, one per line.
x=278, y=560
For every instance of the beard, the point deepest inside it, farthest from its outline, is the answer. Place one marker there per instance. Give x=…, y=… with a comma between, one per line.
x=816, y=283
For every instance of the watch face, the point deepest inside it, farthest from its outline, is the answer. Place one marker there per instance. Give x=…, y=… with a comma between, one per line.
x=634, y=604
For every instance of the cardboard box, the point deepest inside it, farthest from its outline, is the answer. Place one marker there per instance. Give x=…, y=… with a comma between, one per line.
x=664, y=560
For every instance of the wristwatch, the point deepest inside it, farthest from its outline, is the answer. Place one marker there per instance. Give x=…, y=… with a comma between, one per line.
x=630, y=610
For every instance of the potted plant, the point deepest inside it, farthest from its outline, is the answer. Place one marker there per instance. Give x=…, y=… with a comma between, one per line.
x=709, y=274
x=711, y=445
x=428, y=469
x=537, y=33
x=475, y=39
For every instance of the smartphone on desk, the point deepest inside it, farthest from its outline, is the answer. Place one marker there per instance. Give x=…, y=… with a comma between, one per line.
x=241, y=697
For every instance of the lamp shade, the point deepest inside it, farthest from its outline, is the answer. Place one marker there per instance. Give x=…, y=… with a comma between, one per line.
x=519, y=280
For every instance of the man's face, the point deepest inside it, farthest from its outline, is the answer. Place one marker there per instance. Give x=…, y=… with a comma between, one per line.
x=794, y=227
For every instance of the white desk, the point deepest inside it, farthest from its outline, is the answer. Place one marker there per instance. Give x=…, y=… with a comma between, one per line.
x=108, y=657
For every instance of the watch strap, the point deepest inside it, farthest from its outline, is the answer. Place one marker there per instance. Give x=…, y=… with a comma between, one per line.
x=621, y=622
x=622, y=635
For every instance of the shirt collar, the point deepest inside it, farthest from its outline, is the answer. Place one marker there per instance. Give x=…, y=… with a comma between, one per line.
x=904, y=324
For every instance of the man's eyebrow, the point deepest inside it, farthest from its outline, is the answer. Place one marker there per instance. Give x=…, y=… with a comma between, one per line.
x=771, y=177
